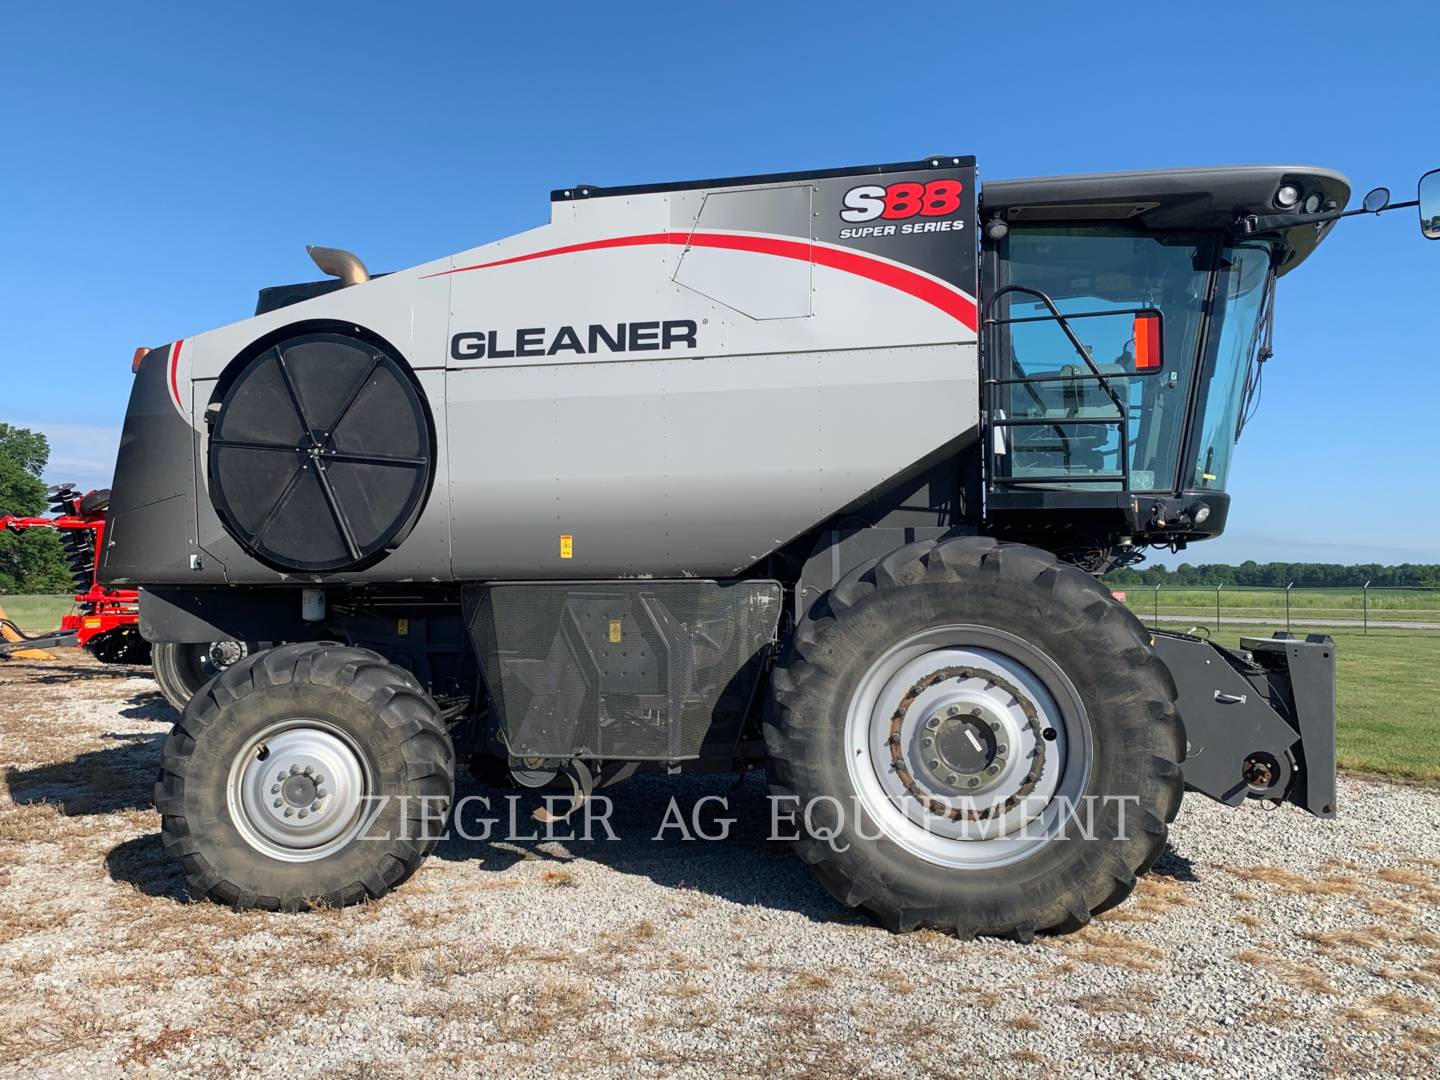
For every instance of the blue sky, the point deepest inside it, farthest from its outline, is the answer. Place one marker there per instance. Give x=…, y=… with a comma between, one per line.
x=159, y=163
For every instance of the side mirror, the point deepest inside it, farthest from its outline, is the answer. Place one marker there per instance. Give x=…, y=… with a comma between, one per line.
x=1429, y=198
x=1375, y=200
x=1149, y=339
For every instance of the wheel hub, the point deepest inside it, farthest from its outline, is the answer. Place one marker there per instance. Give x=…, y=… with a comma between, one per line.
x=960, y=751
x=224, y=653
x=298, y=791
x=963, y=761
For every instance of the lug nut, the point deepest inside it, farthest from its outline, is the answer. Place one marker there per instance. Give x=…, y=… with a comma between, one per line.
x=319, y=779
x=933, y=722
x=309, y=770
x=972, y=782
x=320, y=793
x=304, y=813
x=994, y=725
x=315, y=805
x=283, y=775
x=274, y=789
x=952, y=779
x=1002, y=749
x=279, y=802
x=954, y=710
x=289, y=812
x=933, y=764
x=927, y=741
x=294, y=766
x=975, y=711
x=993, y=769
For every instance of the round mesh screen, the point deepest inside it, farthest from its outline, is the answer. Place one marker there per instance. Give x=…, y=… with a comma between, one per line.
x=320, y=454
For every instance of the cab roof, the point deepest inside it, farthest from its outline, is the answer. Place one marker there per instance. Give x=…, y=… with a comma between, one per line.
x=1169, y=199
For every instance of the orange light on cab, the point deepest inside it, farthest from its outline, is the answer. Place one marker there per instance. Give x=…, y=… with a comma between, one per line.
x=1149, y=342
x=140, y=355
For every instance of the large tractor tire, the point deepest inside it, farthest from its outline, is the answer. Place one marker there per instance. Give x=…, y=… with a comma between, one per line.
x=978, y=738
x=309, y=773
x=182, y=668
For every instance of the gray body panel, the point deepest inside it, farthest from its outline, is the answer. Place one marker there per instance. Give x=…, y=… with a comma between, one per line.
x=150, y=527
x=680, y=380
x=697, y=466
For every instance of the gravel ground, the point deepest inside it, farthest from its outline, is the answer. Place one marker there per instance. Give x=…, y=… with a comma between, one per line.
x=1265, y=944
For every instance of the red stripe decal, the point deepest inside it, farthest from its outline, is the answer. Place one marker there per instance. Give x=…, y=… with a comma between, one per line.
x=570, y=249
x=953, y=303
x=174, y=364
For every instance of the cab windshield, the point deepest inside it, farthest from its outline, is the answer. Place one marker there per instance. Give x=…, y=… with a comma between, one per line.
x=1065, y=427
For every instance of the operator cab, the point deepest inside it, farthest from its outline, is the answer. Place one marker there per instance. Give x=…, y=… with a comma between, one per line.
x=1124, y=320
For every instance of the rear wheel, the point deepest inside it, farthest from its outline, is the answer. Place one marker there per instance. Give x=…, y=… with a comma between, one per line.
x=977, y=738
x=308, y=773
x=181, y=667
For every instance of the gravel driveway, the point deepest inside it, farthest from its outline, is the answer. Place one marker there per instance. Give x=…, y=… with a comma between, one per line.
x=1265, y=944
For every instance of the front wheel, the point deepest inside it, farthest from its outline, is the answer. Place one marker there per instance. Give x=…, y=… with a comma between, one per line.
x=978, y=738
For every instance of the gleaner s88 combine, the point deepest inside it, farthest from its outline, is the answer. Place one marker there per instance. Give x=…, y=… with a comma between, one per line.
x=815, y=471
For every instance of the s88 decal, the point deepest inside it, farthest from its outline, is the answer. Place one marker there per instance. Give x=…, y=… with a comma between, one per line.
x=906, y=199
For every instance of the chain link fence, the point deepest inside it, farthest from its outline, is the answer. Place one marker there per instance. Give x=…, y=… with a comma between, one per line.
x=1358, y=608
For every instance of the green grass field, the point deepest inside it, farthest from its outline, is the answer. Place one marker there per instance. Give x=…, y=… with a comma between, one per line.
x=1387, y=701
x=1388, y=692
x=36, y=614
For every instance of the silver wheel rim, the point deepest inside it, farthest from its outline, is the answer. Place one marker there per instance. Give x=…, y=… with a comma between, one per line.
x=967, y=746
x=299, y=789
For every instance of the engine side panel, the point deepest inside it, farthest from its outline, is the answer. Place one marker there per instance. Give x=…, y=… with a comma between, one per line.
x=696, y=377
x=675, y=467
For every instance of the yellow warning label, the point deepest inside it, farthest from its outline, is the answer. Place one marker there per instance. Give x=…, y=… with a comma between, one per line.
x=92, y=624
x=402, y=627
x=615, y=634
x=567, y=546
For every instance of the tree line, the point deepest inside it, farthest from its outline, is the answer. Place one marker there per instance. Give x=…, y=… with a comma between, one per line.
x=30, y=561
x=1280, y=574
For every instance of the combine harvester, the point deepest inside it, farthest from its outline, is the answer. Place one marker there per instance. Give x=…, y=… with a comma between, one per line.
x=814, y=471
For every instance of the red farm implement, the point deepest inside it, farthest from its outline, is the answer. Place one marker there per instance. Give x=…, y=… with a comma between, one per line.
x=105, y=621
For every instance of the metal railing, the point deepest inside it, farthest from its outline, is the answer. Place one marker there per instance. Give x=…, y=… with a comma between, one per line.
x=1000, y=416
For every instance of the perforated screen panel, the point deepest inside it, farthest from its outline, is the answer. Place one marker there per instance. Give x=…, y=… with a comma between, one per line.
x=320, y=453
x=629, y=670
